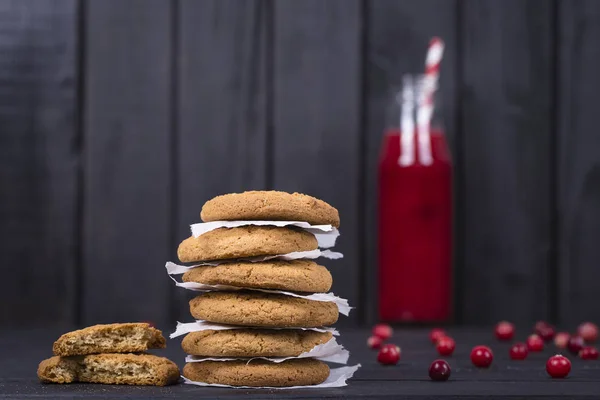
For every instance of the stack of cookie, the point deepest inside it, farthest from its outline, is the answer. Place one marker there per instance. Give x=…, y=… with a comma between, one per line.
x=264, y=304
x=106, y=354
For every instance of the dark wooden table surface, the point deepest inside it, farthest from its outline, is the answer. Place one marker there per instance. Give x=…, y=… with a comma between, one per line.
x=22, y=351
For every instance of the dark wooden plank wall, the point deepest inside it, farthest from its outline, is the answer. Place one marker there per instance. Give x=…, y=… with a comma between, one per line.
x=127, y=176
x=121, y=118
x=39, y=156
x=578, y=159
x=507, y=67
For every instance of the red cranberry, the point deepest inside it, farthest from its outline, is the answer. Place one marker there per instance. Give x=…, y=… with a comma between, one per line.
x=588, y=353
x=374, y=342
x=588, y=331
x=558, y=366
x=540, y=325
x=535, y=343
x=546, y=333
x=505, y=330
x=518, y=351
x=575, y=344
x=481, y=356
x=439, y=370
x=389, y=354
x=383, y=331
x=561, y=340
x=445, y=346
x=436, y=334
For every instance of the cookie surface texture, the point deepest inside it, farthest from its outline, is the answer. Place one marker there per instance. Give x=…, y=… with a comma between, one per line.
x=252, y=342
x=245, y=241
x=271, y=206
x=111, y=369
x=109, y=338
x=262, y=310
x=298, y=372
x=294, y=276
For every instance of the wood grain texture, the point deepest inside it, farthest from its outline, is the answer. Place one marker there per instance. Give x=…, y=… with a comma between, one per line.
x=317, y=119
x=222, y=108
x=578, y=158
x=398, y=35
x=184, y=100
x=507, y=80
x=38, y=162
x=505, y=379
x=127, y=160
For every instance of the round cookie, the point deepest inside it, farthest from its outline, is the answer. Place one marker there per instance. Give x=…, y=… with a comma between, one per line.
x=252, y=342
x=295, y=372
x=245, y=241
x=262, y=310
x=271, y=206
x=295, y=276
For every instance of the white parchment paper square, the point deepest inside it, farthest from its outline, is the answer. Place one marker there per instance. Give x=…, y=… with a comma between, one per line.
x=331, y=351
x=297, y=255
x=200, y=325
x=174, y=269
x=326, y=235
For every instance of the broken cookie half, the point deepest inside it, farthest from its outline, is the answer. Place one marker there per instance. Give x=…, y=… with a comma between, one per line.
x=111, y=338
x=104, y=354
x=112, y=369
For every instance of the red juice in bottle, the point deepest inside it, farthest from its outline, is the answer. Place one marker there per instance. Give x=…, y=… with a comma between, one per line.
x=415, y=214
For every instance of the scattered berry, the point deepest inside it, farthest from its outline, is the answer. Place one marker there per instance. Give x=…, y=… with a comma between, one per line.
x=518, y=351
x=535, y=343
x=546, y=333
x=561, y=340
x=445, y=346
x=389, y=354
x=558, y=366
x=588, y=353
x=540, y=325
x=374, y=342
x=505, y=330
x=436, y=334
x=575, y=344
x=588, y=331
x=383, y=331
x=481, y=356
x=439, y=370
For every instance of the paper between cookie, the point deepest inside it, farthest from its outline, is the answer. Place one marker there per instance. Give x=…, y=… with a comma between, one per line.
x=326, y=235
x=200, y=325
x=331, y=351
x=174, y=269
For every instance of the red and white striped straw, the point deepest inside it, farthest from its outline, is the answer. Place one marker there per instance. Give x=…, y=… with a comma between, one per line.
x=407, y=123
x=434, y=57
x=429, y=86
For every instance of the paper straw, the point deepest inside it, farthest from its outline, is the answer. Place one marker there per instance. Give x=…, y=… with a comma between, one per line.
x=407, y=125
x=429, y=86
